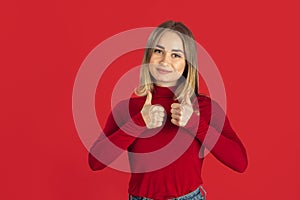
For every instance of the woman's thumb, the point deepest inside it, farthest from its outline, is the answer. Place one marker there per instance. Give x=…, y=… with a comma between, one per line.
x=149, y=98
x=187, y=99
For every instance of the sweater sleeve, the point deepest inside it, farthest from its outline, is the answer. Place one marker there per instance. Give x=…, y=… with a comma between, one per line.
x=118, y=134
x=221, y=141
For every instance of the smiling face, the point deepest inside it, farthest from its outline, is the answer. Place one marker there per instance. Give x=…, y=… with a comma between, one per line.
x=167, y=61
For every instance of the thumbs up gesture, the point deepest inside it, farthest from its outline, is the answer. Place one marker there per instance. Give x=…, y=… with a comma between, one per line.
x=153, y=115
x=182, y=112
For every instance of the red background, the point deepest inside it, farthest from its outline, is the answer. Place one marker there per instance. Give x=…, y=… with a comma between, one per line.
x=255, y=44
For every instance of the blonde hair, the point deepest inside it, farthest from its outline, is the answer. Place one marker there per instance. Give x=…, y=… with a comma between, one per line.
x=189, y=80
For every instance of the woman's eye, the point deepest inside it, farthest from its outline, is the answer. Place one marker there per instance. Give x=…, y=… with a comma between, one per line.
x=175, y=55
x=158, y=51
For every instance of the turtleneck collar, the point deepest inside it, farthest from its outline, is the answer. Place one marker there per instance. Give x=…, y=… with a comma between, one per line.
x=160, y=91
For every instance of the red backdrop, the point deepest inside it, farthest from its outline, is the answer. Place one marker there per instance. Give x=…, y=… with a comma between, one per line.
x=255, y=45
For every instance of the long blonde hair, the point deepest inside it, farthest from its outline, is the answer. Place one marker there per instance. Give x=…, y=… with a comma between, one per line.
x=189, y=80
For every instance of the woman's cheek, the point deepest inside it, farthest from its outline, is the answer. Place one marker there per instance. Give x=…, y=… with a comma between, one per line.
x=180, y=68
x=151, y=70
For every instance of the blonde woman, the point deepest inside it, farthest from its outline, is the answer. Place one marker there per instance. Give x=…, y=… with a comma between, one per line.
x=168, y=105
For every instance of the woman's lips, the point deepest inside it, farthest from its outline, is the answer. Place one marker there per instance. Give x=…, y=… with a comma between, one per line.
x=163, y=71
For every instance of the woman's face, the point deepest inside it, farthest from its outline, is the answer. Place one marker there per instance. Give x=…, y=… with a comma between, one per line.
x=167, y=62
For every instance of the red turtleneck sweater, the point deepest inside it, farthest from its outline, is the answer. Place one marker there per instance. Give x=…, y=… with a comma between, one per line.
x=183, y=175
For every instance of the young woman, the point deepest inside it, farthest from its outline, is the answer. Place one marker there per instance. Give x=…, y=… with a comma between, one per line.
x=169, y=105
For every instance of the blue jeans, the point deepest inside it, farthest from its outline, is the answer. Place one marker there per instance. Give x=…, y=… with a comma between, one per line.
x=198, y=194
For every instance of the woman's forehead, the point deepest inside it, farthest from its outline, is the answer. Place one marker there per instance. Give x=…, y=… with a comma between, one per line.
x=170, y=40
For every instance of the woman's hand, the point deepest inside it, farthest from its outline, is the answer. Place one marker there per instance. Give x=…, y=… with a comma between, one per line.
x=153, y=115
x=181, y=113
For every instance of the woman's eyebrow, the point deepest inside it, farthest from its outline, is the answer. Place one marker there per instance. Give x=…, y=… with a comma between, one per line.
x=176, y=50
x=160, y=46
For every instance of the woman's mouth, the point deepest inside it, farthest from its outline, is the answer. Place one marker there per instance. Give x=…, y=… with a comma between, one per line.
x=163, y=71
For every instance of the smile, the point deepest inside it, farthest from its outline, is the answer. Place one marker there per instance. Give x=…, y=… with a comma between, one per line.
x=163, y=71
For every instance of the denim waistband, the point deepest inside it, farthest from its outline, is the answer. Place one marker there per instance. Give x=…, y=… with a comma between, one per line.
x=198, y=194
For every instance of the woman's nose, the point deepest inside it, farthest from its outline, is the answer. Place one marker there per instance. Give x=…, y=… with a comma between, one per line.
x=165, y=60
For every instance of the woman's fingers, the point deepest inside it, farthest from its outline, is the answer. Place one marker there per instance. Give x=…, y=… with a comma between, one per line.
x=176, y=117
x=157, y=108
x=176, y=122
x=176, y=106
x=157, y=115
x=181, y=113
x=176, y=111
